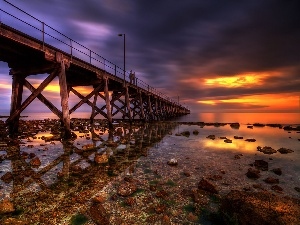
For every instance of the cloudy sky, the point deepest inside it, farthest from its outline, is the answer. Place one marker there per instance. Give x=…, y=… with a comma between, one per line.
x=216, y=55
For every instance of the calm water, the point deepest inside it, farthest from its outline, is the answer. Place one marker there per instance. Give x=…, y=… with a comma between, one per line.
x=49, y=192
x=244, y=118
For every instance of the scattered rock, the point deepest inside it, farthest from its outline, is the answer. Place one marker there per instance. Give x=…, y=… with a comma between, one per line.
x=130, y=201
x=207, y=186
x=101, y=158
x=261, y=165
x=237, y=137
x=192, y=217
x=7, y=177
x=266, y=150
x=228, y=141
x=277, y=188
x=14, y=221
x=88, y=147
x=35, y=162
x=98, y=199
x=277, y=171
x=195, y=132
x=165, y=220
x=6, y=206
x=252, y=208
x=186, y=133
x=250, y=140
x=253, y=173
x=160, y=208
x=235, y=125
x=125, y=189
x=99, y=214
x=223, y=137
x=271, y=180
x=172, y=162
x=297, y=189
x=211, y=136
x=161, y=194
x=285, y=150
x=186, y=173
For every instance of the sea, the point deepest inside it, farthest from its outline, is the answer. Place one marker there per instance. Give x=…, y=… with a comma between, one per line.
x=60, y=189
x=213, y=117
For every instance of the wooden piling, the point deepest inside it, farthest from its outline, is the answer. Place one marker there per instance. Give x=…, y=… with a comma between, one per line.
x=107, y=101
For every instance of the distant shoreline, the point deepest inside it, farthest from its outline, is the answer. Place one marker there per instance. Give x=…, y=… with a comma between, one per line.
x=8, y=116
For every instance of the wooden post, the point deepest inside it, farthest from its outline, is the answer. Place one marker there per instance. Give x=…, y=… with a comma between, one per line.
x=108, y=106
x=142, y=114
x=16, y=100
x=64, y=98
x=93, y=112
x=150, y=107
x=127, y=102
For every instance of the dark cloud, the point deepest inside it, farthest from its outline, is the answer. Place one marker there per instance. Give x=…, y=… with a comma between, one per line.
x=168, y=41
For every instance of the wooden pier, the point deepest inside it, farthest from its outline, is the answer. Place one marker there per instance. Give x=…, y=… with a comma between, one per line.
x=27, y=55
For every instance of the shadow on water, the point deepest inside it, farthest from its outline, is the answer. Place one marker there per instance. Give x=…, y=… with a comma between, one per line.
x=45, y=178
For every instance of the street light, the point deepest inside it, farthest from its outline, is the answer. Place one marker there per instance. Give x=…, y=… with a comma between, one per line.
x=124, y=55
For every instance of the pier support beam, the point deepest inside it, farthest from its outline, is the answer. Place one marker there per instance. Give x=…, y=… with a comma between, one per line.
x=16, y=100
x=141, y=105
x=127, y=101
x=107, y=101
x=64, y=95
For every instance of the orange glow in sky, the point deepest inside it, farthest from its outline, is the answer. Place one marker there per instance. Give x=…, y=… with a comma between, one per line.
x=237, y=81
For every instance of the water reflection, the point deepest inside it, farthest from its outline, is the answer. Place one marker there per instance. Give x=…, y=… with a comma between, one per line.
x=46, y=179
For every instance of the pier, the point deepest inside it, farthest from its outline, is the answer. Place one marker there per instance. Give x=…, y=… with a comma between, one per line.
x=75, y=65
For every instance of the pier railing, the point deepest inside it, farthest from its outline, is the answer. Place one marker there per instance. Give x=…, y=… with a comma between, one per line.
x=32, y=26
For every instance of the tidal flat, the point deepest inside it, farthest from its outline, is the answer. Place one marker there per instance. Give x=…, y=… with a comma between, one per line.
x=150, y=173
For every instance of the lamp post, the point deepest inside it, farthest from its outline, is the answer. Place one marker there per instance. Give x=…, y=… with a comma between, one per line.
x=124, y=55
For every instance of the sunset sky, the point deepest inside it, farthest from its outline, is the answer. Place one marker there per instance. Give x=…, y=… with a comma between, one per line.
x=228, y=56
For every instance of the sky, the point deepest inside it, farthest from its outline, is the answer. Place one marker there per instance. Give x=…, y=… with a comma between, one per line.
x=217, y=56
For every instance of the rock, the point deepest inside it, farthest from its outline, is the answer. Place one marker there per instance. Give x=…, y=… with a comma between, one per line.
x=223, y=137
x=263, y=208
x=285, y=150
x=211, y=136
x=207, y=186
x=277, y=171
x=172, y=162
x=6, y=206
x=277, y=188
x=237, y=137
x=31, y=155
x=235, y=125
x=266, y=150
x=162, y=194
x=100, y=158
x=160, y=208
x=99, y=214
x=228, y=141
x=261, y=165
x=253, y=173
x=258, y=125
x=186, y=133
x=195, y=132
x=250, y=140
x=297, y=189
x=35, y=162
x=271, y=180
x=192, y=217
x=125, y=189
x=98, y=199
x=130, y=201
x=165, y=220
x=88, y=147
x=186, y=173
x=7, y=177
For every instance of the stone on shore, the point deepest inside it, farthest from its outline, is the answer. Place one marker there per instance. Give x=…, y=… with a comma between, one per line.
x=285, y=150
x=35, y=162
x=271, y=180
x=99, y=214
x=277, y=171
x=207, y=186
x=261, y=165
x=172, y=162
x=253, y=173
x=266, y=150
x=253, y=208
x=126, y=189
x=6, y=206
